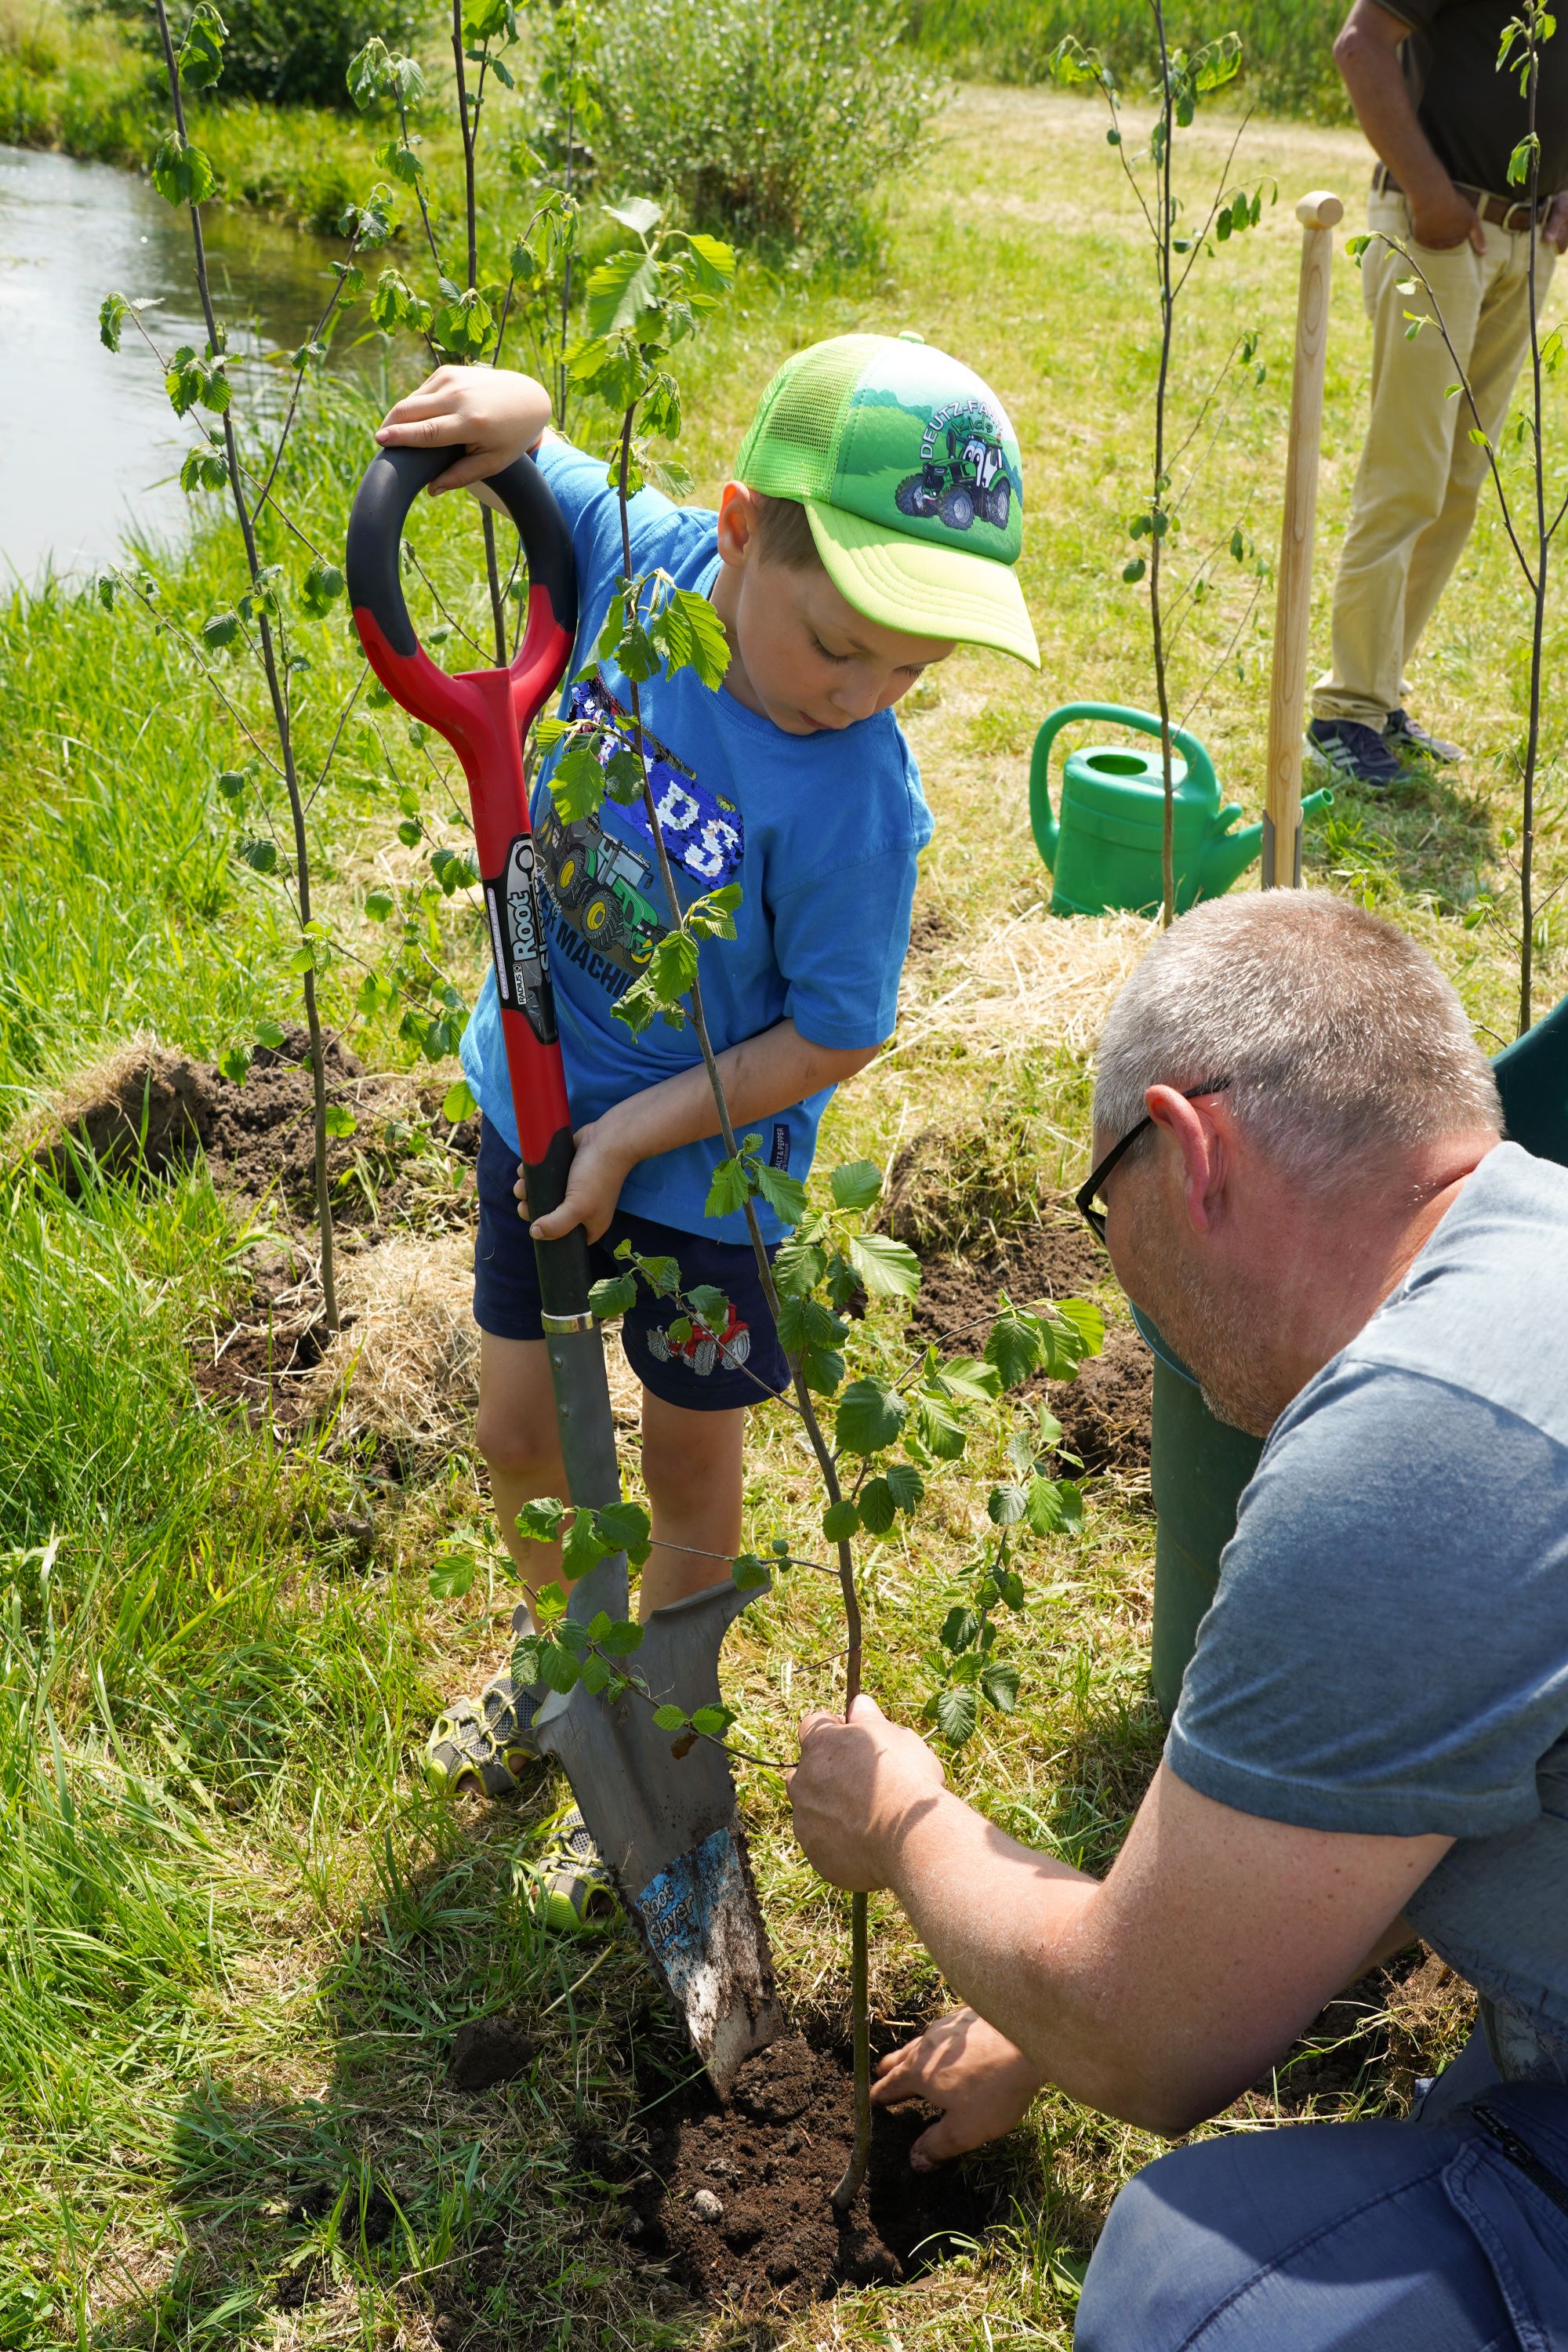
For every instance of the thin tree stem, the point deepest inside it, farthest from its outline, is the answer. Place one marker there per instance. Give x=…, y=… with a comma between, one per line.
x=280, y=718
x=1156, y=511
x=1543, y=550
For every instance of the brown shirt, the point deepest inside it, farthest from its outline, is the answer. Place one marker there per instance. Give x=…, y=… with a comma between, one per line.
x=1473, y=114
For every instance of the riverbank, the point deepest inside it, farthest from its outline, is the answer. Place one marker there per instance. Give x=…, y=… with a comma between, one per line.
x=244, y=1939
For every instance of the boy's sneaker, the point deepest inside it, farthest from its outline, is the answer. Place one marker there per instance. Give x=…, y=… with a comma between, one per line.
x=1408, y=740
x=1355, y=753
x=485, y=1743
x=575, y=1890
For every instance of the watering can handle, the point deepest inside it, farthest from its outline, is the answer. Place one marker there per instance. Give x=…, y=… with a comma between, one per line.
x=1121, y=715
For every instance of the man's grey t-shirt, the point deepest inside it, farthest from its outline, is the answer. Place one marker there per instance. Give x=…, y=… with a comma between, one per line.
x=1388, y=1648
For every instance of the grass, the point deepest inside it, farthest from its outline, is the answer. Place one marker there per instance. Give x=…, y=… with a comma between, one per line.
x=1286, y=44
x=238, y=1937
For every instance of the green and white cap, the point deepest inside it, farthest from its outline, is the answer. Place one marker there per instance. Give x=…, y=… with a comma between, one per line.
x=909, y=470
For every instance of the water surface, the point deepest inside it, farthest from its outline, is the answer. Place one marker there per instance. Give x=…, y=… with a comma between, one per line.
x=89, y=444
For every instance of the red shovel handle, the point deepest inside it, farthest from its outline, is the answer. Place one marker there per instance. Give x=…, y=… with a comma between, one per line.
x=485, y=714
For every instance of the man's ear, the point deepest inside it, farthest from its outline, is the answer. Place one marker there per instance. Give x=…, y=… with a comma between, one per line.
x=737, y=525
x=1201, y=1134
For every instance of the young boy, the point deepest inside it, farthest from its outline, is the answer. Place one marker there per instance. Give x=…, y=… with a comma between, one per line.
x=873, y=525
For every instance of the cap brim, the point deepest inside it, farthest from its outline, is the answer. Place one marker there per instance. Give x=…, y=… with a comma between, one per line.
x=909, y=584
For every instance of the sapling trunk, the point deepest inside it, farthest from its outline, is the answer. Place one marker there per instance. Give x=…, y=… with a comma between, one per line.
x=849, y=2187
x=1538, y=613
x=469, y=120
x=1156, y=508
x=280, y=718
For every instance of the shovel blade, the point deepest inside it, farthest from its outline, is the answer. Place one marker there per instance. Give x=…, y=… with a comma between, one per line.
x=667, y=1826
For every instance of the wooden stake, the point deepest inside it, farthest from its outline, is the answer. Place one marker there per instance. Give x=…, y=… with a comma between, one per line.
x=1319, y=214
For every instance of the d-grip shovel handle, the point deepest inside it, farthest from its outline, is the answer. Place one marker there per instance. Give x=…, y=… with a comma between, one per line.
x=485, y=715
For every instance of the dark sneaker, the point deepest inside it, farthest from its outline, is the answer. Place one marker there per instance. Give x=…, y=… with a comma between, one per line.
x=1407, y=739
x=575, y=1895
x=1354, y=753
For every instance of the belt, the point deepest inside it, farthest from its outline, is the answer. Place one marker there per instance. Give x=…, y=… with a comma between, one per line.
x=1497, y=211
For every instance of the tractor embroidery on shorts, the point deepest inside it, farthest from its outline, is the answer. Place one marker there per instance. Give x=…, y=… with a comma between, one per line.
x=702, y=1348
x=972, y=483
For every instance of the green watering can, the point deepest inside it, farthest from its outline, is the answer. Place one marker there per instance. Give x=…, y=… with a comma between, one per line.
x=1105, y=851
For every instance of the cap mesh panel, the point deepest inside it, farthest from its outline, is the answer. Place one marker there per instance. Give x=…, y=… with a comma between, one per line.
x=791, y=451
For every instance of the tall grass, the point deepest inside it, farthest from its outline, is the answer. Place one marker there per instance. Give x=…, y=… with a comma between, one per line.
x=1286, y=62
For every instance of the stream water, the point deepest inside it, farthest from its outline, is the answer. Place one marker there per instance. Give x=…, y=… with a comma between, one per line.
x=89, y=447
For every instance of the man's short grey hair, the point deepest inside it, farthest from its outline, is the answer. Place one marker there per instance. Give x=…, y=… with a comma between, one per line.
x=1342, y=1040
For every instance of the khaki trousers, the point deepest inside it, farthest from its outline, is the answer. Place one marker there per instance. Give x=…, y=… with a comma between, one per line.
x=1420, y=473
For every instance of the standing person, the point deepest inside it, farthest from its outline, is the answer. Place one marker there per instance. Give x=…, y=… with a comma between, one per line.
x=1300, y=1176
x=846, y=555
x=1424, y=79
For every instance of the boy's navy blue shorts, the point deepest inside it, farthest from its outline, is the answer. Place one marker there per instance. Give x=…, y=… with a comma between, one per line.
x=703, y=1374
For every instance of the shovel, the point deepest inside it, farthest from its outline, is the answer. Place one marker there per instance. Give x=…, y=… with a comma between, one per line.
x=667, y=1829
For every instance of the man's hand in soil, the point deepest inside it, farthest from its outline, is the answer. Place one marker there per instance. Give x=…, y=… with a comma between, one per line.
x=858, y=1790
x=493, y=413
x=982, y=2083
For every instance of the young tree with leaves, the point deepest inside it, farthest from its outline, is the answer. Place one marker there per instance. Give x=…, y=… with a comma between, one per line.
x=1184, y=79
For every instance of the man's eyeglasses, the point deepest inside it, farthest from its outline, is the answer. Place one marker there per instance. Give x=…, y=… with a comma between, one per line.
x=1087, y=1194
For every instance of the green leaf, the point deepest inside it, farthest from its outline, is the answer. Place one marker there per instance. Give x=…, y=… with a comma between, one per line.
x=1017, y=1345
x=112, y=313
x=270, y=1034
x=799, y=1267
x=558, y=1669
x=730, y=1189
x=201, y=52
x=463, y=327
x=578, y=783
x=840, y=1521
x=713, y=1722
x=806, y=1323
x=669, y=1718
x=715, y=262
x=1006, y=1506
x=905, y=1485
x=638, y=213
x=181, y=172
x=822, y=1369
x=876, y=1507
x=856, y=1185
x=221, y=629
x=706, y=1299
x=624, y=1526
x=999, y=1681
x=235, y=1062
x=624, y=1636
x=540, y=1522
x=323, y=584
x=622, y=291
x=870, y=1415
x=339, y=1120
x=750, y=1573
x=1086, y=1323
x=888, y=1269
x=1052, y=1504
x=452, y=1576
x=458, y=1102
x=613, y=1295
x=957, y=1713
x=689, y=634
x=585, y=1546
x=958, y=1627
x=784, y=1194
x=379, y=905
x=261, y=856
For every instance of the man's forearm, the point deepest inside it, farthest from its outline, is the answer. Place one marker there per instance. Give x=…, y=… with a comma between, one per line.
x=1013, y=1956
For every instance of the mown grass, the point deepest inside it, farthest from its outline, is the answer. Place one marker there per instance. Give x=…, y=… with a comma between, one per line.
x=238, y=1937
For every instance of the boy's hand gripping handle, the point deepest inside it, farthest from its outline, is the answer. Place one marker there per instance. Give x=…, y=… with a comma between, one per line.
x=485, y=715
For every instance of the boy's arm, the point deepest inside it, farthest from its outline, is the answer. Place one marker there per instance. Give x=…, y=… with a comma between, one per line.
x=762, y=1075
x=494, y=412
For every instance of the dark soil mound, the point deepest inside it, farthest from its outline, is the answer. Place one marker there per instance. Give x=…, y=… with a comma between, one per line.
x=161, y=1108
x=1104, y=1412
x=737, y=2202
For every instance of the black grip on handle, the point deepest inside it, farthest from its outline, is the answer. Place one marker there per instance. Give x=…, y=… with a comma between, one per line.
x=392, y=483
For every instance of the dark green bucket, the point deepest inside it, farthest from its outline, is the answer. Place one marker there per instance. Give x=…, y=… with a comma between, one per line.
x=1198, y=1465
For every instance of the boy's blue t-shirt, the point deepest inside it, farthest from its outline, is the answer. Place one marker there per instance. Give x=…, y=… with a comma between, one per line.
x=821, y=832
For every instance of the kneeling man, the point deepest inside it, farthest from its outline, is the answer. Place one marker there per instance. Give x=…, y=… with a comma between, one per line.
x=1302, y=1179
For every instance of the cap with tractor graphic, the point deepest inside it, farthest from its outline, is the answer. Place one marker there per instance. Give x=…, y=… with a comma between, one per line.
x=909, y=472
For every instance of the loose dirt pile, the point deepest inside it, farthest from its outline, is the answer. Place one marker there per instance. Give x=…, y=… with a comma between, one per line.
x=1104, y=1412
x=736, y=2200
